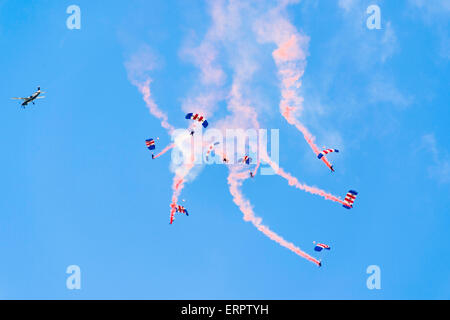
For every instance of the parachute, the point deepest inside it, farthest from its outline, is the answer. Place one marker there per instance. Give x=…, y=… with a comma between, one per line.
x=177, y=208
x=246, y=160
x=197, y=117
x=320, y=246
x=325, y=152
x=150, y=143
x=349, y=199
x=181, y=209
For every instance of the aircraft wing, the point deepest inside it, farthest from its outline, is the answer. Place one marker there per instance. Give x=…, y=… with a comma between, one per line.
x=40, y=97
x=19, y=98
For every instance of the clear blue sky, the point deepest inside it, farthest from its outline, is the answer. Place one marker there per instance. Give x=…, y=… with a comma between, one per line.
x=79, y=187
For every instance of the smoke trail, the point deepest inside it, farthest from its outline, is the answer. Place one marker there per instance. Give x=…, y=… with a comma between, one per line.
x=255, y=171
x=137, y=66
x=290, y=59
x=170, y=146
x=291, y=102
x=235, y=180
x=178, y=184
x=293, y=181
x=144, y=88
x=183, y=169
x=178, y=181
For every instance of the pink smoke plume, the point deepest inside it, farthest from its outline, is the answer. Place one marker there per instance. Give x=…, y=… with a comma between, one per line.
x=293, y=181
x=255, y=171
x=235, y=180
x=169, y=147
x=290, y=59
x=291, y=102
x=178, y=184
x=138, y=66
x=144, y=88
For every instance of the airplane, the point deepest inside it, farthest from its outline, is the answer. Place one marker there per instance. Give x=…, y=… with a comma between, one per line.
x=31, y=98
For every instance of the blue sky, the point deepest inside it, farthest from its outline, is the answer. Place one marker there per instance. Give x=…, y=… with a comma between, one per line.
x=79, y=187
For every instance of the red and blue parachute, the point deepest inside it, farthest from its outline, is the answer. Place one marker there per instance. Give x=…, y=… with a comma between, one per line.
x=246, y=160
x=349, y=199
x=150, y=143
x=181, y=209
x=326, y=151
x=177, y=208
x=198, y=118
x=320, y=246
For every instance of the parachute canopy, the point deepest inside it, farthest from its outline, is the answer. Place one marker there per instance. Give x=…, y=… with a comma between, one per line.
x=181, y=209
x=176, y=208
x=150, y=143
x=325, y=152
x=349, y=199
x=246, y=160
x=197, y=117
x=320, y=246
